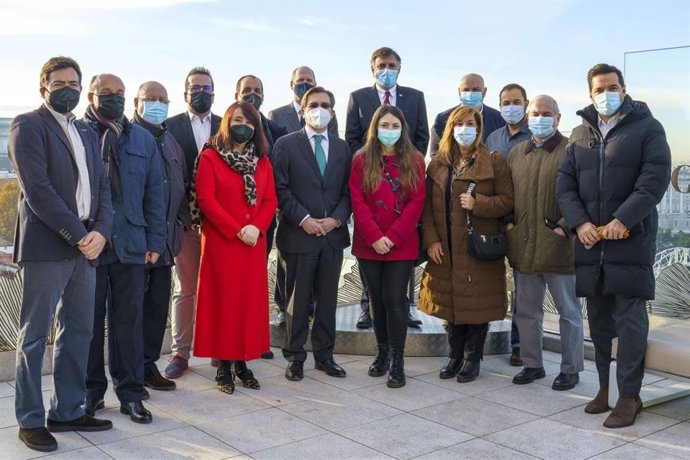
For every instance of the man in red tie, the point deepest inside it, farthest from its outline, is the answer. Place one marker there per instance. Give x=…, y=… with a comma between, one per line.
x=385, y=68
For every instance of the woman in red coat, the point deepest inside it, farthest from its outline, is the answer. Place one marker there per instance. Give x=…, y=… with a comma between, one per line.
x=236, y=197
x=387, y=190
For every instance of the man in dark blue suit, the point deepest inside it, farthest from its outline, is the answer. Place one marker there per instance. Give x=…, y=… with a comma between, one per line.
x=385, y=68
x=65, y=218
x=311, y=171
x=472, y=92
x=133, y=167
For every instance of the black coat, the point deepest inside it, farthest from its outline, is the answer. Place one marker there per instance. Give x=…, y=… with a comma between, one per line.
x=622, y=176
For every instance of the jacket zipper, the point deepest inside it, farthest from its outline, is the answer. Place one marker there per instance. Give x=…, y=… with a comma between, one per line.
x=602, y=159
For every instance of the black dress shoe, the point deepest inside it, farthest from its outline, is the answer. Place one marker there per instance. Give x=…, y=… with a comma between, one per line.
x=529, y=375
x=267, y=355
x=136, y=411
x=331, y=368
x=469, y=371
x=146, y=395
x=451, y=368
x=280, y=320
x=294, y=371
x=84, y=423
x=412, y=320
x=364, y=320
x=565, y=381
x=156, y=381
x=92, y=405
x=38, y=439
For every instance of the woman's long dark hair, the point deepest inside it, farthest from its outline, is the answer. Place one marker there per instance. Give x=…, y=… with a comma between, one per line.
x=223, y=141
x=373, y=153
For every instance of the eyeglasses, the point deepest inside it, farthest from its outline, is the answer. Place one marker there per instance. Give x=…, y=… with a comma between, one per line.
x=323, y=105
x=204, y=88
x=155, y=99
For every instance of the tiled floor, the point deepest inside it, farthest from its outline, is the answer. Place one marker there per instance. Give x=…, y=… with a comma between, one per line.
x=360, y=418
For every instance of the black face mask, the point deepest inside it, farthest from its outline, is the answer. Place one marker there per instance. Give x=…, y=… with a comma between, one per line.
x=201, y=102
x=63, y=100
x=254, y=99
x=111, y=106
x=241, y=133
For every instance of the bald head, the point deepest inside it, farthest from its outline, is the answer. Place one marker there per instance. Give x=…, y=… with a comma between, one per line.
x=151, y=88
x=471, y=81
x=470, y=88
x=152, y=102
x=106, y=81
x=544, y=102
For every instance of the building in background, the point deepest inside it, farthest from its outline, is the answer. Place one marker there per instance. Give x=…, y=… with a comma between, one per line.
x=674, y=209
x=5, y=164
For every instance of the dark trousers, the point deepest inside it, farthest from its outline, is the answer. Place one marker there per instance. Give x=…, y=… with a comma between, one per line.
x=387, y=286
x=626, y=318
x=364, y=299
x=317, y=271
x=514, y=333
x=120, y=294
x=467, y=341
x=158, y=281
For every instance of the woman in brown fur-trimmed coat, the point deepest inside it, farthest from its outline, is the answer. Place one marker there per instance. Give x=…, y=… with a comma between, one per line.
x=466, y=292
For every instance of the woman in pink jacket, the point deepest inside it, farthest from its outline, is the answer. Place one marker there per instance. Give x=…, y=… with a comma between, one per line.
x=387, y=191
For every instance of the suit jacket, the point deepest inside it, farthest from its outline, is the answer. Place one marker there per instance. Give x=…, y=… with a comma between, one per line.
x=180, y=126
x=492, y=121
x=273, y=131
x=287, y=118
x=303, y=191
x=364, y=102
x=48, y=225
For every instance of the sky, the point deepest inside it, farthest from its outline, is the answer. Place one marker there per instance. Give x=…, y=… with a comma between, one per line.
x=547, y=46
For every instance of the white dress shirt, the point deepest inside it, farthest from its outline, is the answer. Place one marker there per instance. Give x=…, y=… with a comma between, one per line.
x=606, y=126
x=83, y=193
x=201, y=128
x=324, y=142
x=382, y=94
x=298, y=108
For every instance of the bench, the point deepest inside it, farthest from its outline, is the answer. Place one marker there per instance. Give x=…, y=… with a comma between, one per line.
x=668, y=354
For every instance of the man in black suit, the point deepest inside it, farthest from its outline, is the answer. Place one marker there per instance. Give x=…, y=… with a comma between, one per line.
x=191, y=129
x=289, y=116
x=472, y=92
x=65, y=219
x=311, y=171
x=385, y=68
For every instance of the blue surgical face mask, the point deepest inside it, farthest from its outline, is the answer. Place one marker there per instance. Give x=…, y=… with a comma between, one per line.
x=300, y=88
x=155, y=112
x=541, y=126
x=389, y=137
x=386, y=78
x=465, y=135
x=608, y=102
x=512, y=114
x=471, y=98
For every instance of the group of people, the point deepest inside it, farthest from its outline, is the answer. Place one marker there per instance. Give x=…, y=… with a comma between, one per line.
x=110, y=205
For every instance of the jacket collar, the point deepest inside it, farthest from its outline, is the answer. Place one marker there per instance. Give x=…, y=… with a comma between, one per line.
x=482, y=169
x=550, y=144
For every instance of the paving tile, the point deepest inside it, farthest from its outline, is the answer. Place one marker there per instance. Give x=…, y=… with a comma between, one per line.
x=535, y=398
x=405, y=436
x=326, y=446
x=632, y=451
x=487, y=381
x=6, y=390
x=357, y=376
x=548, y=439
x=501, y=365
x=646, y=423
x=588, y=385
x=12, y=448
x=88, y=453
x=188, y=384
x=124, y=428
x=278, y=391
x=475, y=416
x=338, y=411
x=414, y=395
x=678, y=409
x=417, y=365
x=262, y=369
x=476, y=449
x=260, y=430
x=7, y=417
x=182, y=443
x=674, y=440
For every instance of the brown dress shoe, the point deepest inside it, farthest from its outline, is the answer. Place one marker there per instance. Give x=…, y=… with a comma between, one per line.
x=600, y=403
x=624, y=413
x=515, y=359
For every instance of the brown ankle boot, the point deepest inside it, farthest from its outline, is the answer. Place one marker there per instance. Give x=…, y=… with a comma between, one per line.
x=600, y=403
x=624, y=413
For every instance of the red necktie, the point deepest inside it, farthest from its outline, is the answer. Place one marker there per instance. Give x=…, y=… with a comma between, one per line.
x=387, y=98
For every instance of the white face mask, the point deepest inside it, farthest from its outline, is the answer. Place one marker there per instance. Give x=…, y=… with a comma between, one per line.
x=318, y=117
x=465, y=135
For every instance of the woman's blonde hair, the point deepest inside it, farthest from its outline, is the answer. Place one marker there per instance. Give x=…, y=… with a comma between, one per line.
x=448, y=148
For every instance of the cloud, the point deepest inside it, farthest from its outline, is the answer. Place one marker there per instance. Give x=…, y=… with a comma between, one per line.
x=246, y=25
x=111, y=4
x=318, y=21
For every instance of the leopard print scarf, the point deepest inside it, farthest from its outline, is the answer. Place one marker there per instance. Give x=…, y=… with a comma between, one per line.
x=242, y=163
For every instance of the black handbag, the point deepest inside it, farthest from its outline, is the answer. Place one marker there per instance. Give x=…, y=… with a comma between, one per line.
x=484, y=247
x=421, y=253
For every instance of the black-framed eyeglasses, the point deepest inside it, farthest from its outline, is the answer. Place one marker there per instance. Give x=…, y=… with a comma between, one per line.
x=198, y=88
x=323, y=105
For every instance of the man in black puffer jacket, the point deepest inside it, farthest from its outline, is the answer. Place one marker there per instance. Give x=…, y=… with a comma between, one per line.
x=617, y=168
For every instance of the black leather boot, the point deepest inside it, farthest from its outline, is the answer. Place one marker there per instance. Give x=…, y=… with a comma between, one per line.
x=469, y=371
x=396, y=376
x=451, y=368
x=382, y=361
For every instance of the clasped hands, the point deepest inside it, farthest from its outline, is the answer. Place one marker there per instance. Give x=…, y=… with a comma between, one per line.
x=319, y=227
x=383, y=245
x=91, y=245
x=249, y=235
x=589, y=235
